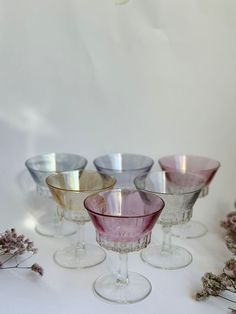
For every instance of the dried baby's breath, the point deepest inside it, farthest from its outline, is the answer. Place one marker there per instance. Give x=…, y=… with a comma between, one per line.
x=15, y=250
x=214, y=285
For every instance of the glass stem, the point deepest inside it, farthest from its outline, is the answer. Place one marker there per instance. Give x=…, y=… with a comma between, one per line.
x=58, y=222
x=166, y=242
x=122, y=276
x=80, y=244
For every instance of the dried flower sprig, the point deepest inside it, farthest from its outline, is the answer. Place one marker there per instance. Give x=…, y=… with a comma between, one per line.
x=13, y=246
x=230, y=225
x=214, y=285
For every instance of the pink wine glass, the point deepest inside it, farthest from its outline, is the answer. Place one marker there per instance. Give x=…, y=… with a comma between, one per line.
x=203, y=166
x=179, y=192
x=123, y=220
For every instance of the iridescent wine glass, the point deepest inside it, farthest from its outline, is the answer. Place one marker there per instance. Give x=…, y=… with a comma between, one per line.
x=204, y=166
x=125, y=167
x=179, y=192
x=40, y=167
x=69, y=189
x=123, y=220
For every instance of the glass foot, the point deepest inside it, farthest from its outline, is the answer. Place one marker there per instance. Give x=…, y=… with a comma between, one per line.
x=110, y=289
x=71, y=258
x=49, y=226
x=177, y=258
x=191, y=230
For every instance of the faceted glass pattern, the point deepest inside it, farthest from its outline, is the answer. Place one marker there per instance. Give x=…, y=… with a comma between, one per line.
x=178, y=190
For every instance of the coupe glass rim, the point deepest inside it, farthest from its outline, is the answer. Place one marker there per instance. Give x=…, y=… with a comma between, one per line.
x=150, y=162
x=123, y=217
x=113, y=181
x=217, y=163
x=27, y=162
x=200, y=186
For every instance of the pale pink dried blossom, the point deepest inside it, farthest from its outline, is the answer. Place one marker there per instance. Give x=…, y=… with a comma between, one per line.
x=13, y=246
x=38, y=269
x=11, y=243
x=212, y=284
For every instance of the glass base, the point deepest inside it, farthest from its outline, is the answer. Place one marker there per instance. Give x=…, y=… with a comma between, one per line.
x=108, y=288
x=176, y=259
x=49, y=226
x=123, y=247
x=191, y=230
x=72, y=258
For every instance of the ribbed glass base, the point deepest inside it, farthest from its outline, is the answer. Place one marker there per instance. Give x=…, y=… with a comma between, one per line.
x=123, y=247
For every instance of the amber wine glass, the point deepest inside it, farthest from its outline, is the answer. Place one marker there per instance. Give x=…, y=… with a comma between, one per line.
x=69, y=190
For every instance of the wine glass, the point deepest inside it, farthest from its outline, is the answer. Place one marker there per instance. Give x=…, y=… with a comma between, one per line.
x=69, y=189
x=123, y=220
x=179, y=192
x=125, y=167
x=40, y=167
x=203, y=166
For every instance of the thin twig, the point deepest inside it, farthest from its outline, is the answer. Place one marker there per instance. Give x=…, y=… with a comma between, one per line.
x=226, y=299
x=9, y=258
x=25, y=259
x=21, y=267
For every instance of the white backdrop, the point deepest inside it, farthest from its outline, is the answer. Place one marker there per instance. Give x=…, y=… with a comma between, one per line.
x=154, y=77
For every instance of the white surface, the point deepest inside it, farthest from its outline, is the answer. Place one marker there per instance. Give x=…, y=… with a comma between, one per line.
x=153, y=77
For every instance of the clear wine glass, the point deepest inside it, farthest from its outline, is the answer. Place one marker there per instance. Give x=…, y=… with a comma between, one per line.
x=125, y=167
x=204, y=166
x=123, y=220
x=179, y=192
x=69, y=189
x=40, y=167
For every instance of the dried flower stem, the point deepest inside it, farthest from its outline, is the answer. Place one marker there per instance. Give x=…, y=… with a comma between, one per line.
x=221, y=296
x=213, y=285
x=8, y=259
x=13, y=246
x=16, y=266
